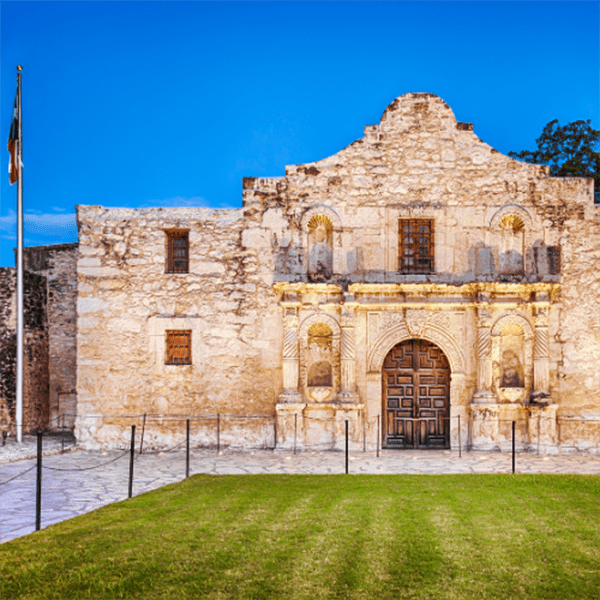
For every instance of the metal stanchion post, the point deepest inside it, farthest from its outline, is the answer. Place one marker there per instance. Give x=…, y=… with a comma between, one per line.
x=295, y=430
x=218, y=433
x=131, y=460
x=187, y=450
x=364, y=435
x=513, y=446
x=62, y=435
x=143, y=429
x=377, y=440
x=38, y=487
x=346, y=446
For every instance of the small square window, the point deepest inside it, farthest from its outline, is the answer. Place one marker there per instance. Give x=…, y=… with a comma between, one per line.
x=178, y=347
x=177, y=251
x=415, y=246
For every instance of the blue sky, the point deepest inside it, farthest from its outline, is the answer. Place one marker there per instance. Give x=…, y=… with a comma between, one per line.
x=172, y=103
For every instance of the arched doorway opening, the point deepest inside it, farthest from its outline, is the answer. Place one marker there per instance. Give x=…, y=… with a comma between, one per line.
x=416, y=396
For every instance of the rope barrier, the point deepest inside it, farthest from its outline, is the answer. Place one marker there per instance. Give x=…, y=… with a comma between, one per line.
x=163, y=451
x=19, y=475
x=87, y=468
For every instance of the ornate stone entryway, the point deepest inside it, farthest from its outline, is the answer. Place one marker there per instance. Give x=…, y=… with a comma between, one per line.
x=416, y=396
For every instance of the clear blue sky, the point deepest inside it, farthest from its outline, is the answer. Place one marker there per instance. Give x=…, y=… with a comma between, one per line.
x=172, y=103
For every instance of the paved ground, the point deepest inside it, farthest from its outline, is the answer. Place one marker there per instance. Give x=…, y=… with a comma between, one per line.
x=72, y=492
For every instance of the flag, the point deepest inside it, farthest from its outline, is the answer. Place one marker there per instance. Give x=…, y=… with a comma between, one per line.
x=13, y=138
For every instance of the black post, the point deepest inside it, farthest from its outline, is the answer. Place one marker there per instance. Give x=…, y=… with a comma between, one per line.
x=4, y=436
x=513, y=446
x=187, y=450
x=218, y=433
x=377, y=441
x=131, y=460
x=295, y=430
x=38, y=488
x=143, y=429
x=364, y=433
x=346, y=446
x=62, y=435
x=459, y=444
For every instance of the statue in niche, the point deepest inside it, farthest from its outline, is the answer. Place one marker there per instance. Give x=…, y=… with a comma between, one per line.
x=510, y=261
x=512, y=370
x=320, y=253
x=319, y=355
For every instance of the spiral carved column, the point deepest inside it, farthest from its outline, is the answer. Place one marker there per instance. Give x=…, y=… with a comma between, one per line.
x=347, y=392
x=290, y=358
x=484, y=393
x=541, y=371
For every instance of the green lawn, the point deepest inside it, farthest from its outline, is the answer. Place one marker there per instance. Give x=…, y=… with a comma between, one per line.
x=315, y=536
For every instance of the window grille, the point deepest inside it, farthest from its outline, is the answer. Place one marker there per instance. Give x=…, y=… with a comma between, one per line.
x=179, y=348
x=177, y=252
x=415, y=245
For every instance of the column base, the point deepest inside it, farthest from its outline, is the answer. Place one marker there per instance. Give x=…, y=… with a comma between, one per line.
x=290, y=397
x=347, y=398
x=484, y=397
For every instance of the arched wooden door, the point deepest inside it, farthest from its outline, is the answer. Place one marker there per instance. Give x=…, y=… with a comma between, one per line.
x=416, y=396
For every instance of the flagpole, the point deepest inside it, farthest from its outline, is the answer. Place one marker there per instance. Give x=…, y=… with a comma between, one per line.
x=19, y=394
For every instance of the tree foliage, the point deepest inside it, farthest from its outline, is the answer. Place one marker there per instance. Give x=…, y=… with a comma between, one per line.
x=569, y=151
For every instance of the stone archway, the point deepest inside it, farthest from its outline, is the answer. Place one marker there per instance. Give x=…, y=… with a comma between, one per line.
x=416, y=396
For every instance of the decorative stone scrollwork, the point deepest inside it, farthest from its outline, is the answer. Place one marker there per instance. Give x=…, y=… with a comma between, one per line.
x=416, y=320
x=431, y=333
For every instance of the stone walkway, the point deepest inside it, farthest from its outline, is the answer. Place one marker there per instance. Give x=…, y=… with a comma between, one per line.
x=68, y=493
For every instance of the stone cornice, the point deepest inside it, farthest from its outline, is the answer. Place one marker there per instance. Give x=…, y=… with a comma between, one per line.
x=381, y=294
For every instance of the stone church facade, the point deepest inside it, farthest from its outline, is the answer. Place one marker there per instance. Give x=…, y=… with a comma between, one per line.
x=418, y=284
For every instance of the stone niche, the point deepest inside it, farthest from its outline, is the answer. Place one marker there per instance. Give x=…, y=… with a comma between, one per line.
x=319, y=360
x=320, y=248
x=512, y=359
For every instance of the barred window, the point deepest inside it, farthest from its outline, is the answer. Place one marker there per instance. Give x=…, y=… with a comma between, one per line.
x=178, y=348
x=177, y=252
x=415, y=246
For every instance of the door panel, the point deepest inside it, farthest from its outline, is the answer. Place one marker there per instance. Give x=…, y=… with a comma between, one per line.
x=416, y=396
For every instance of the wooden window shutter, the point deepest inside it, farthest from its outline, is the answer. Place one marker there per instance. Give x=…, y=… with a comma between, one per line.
x=178, y=347
x=415, y=246
x=177, y=252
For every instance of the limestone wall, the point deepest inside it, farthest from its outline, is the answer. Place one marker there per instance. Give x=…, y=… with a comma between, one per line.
x=58, y=264
x=578, y=334
x=418, y=163
x=35, y=359
x=126, y=302
x=506, y=237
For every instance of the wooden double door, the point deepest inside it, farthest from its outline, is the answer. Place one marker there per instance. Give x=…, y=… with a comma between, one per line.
x=416, y=396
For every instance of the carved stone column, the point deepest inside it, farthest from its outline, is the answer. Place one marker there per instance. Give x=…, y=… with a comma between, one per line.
x=484, y=393
x=290, y=358
x=541, y=370
x=348, y=360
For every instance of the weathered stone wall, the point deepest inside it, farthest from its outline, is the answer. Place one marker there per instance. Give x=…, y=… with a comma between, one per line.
x=8, y=347
x=578, y=335
x=126, y=302
x=58, y=264
x=35, y=360
x=317, y=251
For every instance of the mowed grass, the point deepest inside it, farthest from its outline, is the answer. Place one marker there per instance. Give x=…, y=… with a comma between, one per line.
x=315, y=536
